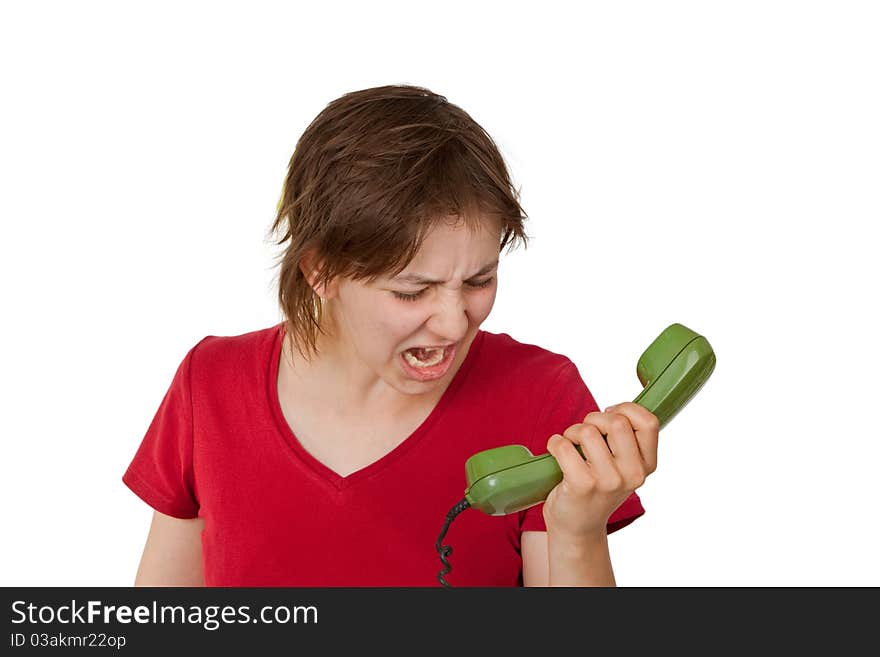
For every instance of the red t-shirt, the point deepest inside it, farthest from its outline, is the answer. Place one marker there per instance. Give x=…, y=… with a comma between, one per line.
x=219, y=448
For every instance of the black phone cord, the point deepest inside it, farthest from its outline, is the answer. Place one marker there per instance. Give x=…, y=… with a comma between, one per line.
x=446, y=550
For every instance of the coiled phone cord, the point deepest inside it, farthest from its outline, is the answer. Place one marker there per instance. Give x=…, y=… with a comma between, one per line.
x=446, y=550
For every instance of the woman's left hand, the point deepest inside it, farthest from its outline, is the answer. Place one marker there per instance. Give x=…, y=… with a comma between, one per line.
x=594, y=485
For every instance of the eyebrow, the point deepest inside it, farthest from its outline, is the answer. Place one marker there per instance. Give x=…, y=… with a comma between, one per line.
x=424, y=280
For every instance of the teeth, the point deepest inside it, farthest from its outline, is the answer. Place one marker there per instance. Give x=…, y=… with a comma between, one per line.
x=433, y=357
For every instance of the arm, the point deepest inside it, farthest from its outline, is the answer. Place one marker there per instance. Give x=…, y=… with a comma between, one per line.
x=173, y=553
x=550, y=560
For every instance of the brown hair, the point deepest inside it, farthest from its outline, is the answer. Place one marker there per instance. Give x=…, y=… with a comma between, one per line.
x=370, y=176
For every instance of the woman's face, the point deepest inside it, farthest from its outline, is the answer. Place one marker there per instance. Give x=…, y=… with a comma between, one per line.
x=439, y=301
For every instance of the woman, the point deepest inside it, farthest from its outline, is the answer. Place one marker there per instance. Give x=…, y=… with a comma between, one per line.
x=327, y=449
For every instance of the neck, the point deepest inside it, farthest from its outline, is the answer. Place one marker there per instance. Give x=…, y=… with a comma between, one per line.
x=333, y=381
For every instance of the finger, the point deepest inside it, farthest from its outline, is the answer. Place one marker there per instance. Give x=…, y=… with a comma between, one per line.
x=622, y=443
x=574, y=469
x=598, y=456
x=639, y=416
x=646, y=427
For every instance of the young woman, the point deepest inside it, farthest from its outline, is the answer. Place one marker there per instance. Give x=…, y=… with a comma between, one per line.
x=327, y=450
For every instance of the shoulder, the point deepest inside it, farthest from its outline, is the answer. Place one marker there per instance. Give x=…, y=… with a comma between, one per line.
x=537, y=388
x=506, y=356
x=214, y=354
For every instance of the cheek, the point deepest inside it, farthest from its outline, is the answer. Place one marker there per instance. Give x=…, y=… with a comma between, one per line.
x=373, y=324
x=480, y=307
x=396, y=321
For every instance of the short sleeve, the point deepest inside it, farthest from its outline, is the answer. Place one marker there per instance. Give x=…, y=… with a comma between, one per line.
x=161, y=472
x=567, y=402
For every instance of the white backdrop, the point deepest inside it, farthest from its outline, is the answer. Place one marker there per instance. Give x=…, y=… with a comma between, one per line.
x=714, y=164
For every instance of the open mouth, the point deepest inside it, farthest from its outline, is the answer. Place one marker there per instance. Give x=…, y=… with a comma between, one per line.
x=425, y=356
x=427, y=363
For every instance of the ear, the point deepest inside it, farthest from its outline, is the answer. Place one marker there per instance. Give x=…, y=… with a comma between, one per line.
x=309, y=265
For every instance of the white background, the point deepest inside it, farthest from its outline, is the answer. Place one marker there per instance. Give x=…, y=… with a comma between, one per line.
x=714, y=164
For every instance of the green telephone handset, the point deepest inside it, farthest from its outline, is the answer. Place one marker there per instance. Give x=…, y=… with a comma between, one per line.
x=672, y=369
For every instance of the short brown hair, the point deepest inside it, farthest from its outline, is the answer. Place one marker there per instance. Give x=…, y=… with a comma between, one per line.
x=370, y=176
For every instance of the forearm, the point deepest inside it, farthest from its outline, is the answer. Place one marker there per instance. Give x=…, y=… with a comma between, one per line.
x=582, y=561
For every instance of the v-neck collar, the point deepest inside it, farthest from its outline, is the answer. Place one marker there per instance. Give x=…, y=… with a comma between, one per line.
x=326, y=474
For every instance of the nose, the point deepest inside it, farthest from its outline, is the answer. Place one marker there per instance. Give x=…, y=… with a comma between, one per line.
x=449, y=319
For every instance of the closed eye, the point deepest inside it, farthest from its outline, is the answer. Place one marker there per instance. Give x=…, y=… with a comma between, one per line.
x=415, y=295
